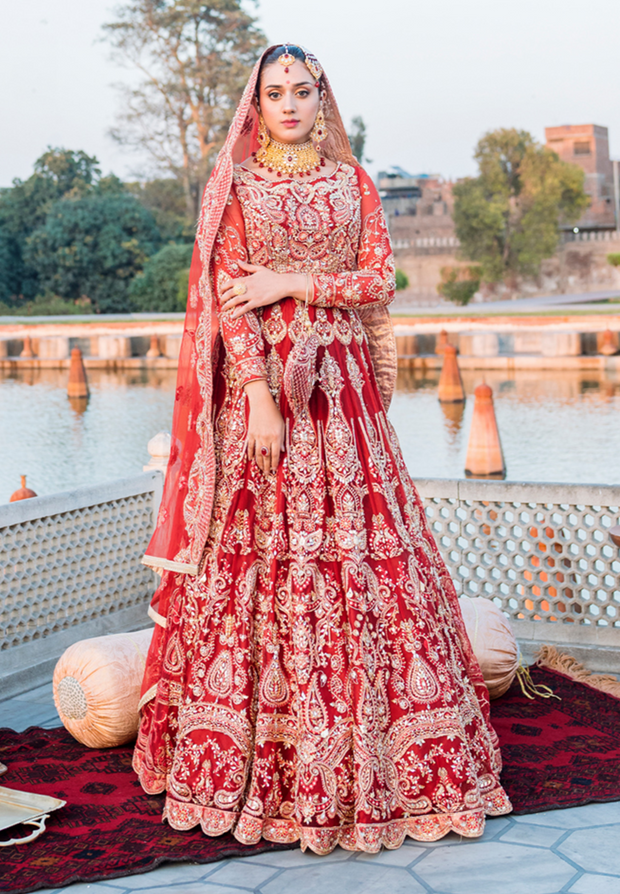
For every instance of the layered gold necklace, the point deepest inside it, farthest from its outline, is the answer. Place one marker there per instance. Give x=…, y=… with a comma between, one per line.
x=289, y=158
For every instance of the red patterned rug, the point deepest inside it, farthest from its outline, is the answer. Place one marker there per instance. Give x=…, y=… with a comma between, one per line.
x=556, y=754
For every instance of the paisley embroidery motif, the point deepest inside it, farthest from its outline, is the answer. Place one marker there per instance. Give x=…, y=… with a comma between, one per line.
x=316, y=683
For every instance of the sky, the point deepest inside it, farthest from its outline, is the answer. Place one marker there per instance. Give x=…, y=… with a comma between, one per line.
x=429, y=78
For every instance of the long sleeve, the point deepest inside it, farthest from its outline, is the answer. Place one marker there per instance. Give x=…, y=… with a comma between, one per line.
x=373, y=282
x=242, y=337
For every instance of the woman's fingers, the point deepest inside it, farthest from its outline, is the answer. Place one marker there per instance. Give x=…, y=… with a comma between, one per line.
x=251, y=268
x=266, y=456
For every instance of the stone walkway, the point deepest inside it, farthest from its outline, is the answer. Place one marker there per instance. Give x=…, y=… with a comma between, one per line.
x=574, y=851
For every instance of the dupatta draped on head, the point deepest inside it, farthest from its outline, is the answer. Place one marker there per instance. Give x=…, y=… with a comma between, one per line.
x=184, y=517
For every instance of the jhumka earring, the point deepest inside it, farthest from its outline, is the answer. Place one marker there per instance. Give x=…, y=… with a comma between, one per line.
x=319, y=131
x=263, y=134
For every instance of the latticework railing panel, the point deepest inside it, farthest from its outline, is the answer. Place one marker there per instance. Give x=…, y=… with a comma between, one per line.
x=68, y=567
x=538, y=560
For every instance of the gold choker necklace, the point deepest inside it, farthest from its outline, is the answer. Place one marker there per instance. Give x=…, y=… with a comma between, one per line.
x=289, y=158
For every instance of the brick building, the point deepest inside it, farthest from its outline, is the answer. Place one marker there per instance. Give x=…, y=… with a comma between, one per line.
x=587, y=145
x=418, y=208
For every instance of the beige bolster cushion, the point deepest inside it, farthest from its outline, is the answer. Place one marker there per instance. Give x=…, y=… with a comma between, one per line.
x=493, y=643
x=97, y=687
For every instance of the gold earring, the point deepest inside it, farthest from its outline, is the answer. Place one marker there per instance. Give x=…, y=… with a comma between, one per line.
x=263, y=134
x=319, y=131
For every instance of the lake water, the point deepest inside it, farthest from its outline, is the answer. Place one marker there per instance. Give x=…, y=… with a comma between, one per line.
x=554, y=426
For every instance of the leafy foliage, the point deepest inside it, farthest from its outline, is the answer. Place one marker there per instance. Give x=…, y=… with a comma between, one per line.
x=163, y=284
x=507, y=219
x=357, y=138
x=614, y=259
x=460, y=284
x=68, y=234
x=195, y=59
x=402, y=280
x=165, y=200
x=93, y=246
x=26, y=205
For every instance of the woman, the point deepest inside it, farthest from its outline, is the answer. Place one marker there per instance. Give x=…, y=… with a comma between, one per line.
x=310, y=677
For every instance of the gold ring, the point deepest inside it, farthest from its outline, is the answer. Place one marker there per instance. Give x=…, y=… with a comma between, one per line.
x=240, y=289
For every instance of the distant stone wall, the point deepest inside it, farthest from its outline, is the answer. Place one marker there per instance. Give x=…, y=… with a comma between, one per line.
x=577, y=266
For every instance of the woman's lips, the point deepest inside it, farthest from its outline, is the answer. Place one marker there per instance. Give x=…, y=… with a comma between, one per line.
x=290, y=123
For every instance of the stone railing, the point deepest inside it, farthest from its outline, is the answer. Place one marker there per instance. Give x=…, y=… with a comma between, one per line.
x=542, y=552
x=591, y=236
x=70, y=564
x=70, y=569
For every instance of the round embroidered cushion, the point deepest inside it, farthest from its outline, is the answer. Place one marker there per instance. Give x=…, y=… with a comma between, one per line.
x=493, y=643
x=97, y=687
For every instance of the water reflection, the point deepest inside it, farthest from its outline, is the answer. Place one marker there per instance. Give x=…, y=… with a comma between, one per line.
x=453, y=414
x=554, y=426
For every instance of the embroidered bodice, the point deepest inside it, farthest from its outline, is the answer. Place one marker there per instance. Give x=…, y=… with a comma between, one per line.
x=331, y=227
x=307, y=226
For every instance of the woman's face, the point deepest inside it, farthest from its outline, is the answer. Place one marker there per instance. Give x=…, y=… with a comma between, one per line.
x=289, y=101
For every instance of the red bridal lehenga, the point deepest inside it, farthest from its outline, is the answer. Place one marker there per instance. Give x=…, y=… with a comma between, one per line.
x=314, y=681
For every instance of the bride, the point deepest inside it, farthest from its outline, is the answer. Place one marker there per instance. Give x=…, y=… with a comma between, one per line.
x=310, y=677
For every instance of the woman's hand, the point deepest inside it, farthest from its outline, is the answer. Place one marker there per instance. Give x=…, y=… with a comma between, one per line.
x=265, y=427
x=262, y=286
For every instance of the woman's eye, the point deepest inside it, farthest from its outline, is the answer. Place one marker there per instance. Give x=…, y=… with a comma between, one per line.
x=273, y=95
x=303, y=93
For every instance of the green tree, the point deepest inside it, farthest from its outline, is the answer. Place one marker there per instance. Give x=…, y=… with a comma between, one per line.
x=25, y=206
x=357, y=138
x=508, y=218
x=402, y=280
x=460, y=284
x=92, y=246
x=195, y=59
x=165, y=200
x=162, y=286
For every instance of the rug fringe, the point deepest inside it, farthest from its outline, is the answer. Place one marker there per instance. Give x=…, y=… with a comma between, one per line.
x=548, y=656
x=529, y=688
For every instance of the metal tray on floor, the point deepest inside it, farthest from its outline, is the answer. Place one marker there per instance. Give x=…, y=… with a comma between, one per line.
x=25, y=807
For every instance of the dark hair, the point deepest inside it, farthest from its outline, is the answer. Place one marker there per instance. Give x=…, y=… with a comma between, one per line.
x=274, y=54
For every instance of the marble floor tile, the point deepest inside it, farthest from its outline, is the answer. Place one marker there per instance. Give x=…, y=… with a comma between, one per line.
x=575, y=817
x=400, y=856
x=242, y=874
x=493, y=867
x=596, y=884
x=168, y=874
x=529, y=833
x=590, y=849
x=191, y=888
x=295, y=858
x=344, y=878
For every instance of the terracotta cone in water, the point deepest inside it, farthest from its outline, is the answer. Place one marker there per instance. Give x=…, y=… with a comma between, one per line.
x=442, y=341
x=609, y=343
x=153, y=351
x=78, y=384
x=24, y=493
x=485, y=458
x=450, y=383
x=27, y=349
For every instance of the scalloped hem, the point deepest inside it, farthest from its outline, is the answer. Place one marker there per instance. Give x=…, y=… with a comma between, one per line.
x=366, y=837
